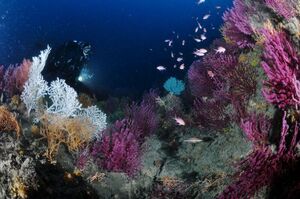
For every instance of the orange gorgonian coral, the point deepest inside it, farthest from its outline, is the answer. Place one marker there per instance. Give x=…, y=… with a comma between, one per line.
x=8, y=122
x=73, y=132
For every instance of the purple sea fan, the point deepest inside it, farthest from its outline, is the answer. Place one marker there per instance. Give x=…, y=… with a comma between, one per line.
x=282, y=7
x=237, y=28
x=15, y=77
x=263, y=165
x=120, y=151
x=280, y=63
x=2, y=72
x=201, y=84
x=210, y=113
x=256, y=127
x=143, y=117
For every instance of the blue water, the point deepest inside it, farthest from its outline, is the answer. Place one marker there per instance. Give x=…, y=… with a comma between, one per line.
x=127, y=36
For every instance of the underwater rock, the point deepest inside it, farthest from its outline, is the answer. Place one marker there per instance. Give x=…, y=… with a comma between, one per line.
x=17, y=169
x=213, y=161
x=54, y=182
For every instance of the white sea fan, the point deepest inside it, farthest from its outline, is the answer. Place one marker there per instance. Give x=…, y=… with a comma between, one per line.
x=35, y=87
x=97, y=118
x=64, y=99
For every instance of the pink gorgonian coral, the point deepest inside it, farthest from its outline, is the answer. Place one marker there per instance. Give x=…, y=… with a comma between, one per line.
x=282, y=7
x=280, y=63
x=256, y=127
x=2, y=72
x=263, y=164
x=143, y=116
x=200, y=83
x=237, y=28
x=210, y=113
x=119, y=150
x=14, y=78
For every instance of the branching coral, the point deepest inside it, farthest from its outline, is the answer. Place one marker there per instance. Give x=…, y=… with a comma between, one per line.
x=120, y=151
x=8, y=122
x=64, y=99
x=262, y=165
x=200, y=83
x=73, y=132
x=256, y=127
x=210, y=113
x=237, y=28
x=35, y=87
x=143, y=117
x=15, y=78
x=120, y=148
x=282, y=7
x=280, y=63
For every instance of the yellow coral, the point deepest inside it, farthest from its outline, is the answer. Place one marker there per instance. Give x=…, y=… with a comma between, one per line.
x=35, y=129
x=73, y=132
x=243, y=58
x=8, y=121
x=15, y=101
x=18, y=189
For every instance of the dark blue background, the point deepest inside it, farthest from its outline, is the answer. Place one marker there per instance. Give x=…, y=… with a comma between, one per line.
x=121, y=32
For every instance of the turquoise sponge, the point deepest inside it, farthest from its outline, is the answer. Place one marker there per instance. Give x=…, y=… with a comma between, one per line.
x=174, y=86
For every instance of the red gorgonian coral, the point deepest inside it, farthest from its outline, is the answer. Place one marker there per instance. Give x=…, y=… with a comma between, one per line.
x=119, y=150
x=280, y=63
x=263, y=164
x=282, y=7
x=237, y=28
x=14, y=78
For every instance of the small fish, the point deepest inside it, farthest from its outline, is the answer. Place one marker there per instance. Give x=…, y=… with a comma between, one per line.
x=175, y=66
x=218, y=7
x=203, y=37
x=179, y=121
x=193, y=140
x=183, y=42
x=180, y=53
x=200, y=52
x=204, y=30
x=172, y=54
x=199, y=25
x=181, y=67
x=210, y=74
x=177, y=36
x=196, y=29
x=179, y=59
x=204, y=99
x=206, y=16
x=170, y=43
x=200, y=1
x=161, y=68
x=220, y=49
x=197, y=40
